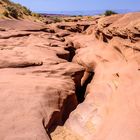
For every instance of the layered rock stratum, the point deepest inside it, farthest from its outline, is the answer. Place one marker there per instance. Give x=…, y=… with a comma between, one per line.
x=70, y=81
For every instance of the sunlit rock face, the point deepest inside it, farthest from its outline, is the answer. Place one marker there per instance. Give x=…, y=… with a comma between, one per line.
x=70, y=81
x=38, y=89
x=110, y=110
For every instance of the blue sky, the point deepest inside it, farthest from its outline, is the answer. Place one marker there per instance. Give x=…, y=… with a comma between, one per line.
x=76, y=5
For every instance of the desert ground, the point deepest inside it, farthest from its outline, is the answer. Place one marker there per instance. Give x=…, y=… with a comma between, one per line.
x=76, y=80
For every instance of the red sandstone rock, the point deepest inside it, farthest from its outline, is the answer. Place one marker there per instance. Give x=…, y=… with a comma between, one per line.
x=36, y=85
x=43, y=74
x=111, y=107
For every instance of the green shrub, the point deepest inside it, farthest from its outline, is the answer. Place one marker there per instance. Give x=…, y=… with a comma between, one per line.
x=17, y=5
x=73, y=16
x=80, y=15
x=90, y=17
x=109, y=13
x=20, y=14
x=6, y=1
x=36, y=15
x=6, y=14
x=12, y=11
x=26, y=11
x=56, y=19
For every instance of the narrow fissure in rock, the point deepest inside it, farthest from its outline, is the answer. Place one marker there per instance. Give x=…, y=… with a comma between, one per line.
x=80, y=92
x=59, y=118
x=72, y=50
x=68, y=55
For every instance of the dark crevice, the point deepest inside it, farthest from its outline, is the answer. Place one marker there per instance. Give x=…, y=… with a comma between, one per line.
x=136, y=35
x=122, y=36
x=76, y=28
x=58, y=118
x=49, y=136
x=54, y=121
x=41, y=30
x=132, y=47
x=106, y=38
x=62, y=27
x=71, y=50
x=86, y=27
x=70, y=53
x=65, y=56
x=100, y=35
x=70, y=47
x=82, y=89
x=16, y=35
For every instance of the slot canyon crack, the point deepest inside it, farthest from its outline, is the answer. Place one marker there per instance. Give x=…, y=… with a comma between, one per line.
x=81, y=80
x=73, y=80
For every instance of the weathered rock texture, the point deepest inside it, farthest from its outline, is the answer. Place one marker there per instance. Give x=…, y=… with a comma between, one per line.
x=111, y=108
x=37, y=87
x=46, y=70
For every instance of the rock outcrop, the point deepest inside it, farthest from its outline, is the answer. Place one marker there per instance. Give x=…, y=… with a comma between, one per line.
x=110, y=110
x=70, y=81
x=38, y=89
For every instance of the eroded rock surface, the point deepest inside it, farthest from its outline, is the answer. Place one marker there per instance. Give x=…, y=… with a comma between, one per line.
x=46, y=70
x=37, y=87
x=111, y=108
